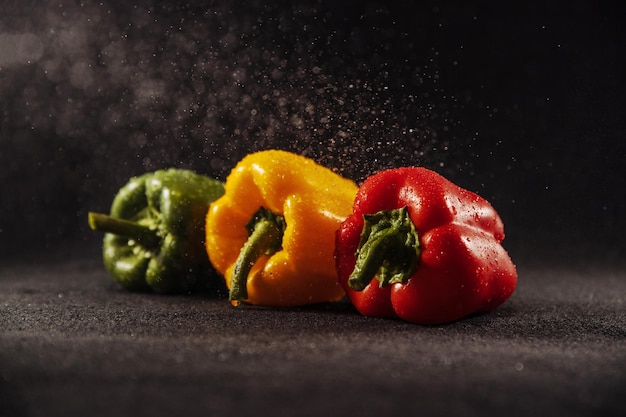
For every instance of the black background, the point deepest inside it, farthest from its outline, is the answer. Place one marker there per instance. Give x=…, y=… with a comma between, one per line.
x=521, y=102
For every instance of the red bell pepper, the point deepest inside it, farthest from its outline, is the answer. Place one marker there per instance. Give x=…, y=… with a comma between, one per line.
x=423, y=249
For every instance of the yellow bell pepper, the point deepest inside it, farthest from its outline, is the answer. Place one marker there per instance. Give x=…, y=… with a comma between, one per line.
x=272, y=234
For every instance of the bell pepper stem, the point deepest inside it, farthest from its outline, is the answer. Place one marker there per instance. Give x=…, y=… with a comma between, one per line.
x=143, y=234
x=371, y=259
x=265, y=237
x=388, y=251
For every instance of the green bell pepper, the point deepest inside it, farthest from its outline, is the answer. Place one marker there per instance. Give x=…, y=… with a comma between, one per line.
x=154, y=235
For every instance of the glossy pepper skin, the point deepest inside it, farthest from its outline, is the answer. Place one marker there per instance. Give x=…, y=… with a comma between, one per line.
x=423, y=249
x=272, y=233
x=154, y=235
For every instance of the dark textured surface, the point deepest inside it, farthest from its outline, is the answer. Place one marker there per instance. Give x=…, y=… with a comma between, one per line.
x=72, y=343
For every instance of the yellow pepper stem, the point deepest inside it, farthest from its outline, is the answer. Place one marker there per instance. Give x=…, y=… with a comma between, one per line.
x=265, y=237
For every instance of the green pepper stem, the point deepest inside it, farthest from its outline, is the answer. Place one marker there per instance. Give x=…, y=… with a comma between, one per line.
x=389, y=249
x=371, y=258
x=266, y=231
x=141, y=233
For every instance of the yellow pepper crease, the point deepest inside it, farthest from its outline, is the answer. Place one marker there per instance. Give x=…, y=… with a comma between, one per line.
x=313, y=201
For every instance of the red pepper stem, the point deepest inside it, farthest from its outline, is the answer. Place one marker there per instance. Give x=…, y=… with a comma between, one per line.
x=143, y=234
x=389, y=249
x=371, y=259
x=266, y=230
